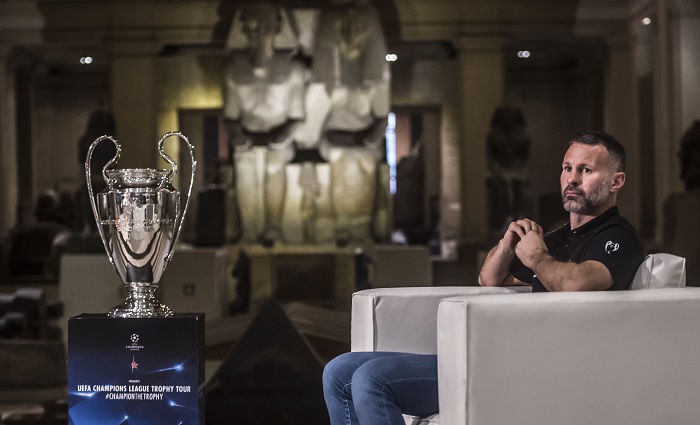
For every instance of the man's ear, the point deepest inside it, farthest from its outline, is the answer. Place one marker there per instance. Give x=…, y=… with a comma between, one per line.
x=618, y=180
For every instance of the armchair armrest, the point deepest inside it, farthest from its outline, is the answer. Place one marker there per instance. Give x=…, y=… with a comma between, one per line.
x=577, y=358
x=403, y=319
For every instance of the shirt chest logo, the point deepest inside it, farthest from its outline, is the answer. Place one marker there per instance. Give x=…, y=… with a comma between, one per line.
x=611, y=246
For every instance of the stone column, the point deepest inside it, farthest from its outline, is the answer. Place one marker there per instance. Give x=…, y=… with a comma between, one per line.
x=621, y=118
x=688, y=87
x=481, y=91
x=132, y=87
x=8, y=145
x=666, y=143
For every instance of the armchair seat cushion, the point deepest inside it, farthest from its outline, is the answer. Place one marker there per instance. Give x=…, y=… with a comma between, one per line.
x=430, y=420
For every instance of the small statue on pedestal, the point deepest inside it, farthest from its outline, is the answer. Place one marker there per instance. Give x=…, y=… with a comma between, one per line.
x=508, y=152
x=681, y=229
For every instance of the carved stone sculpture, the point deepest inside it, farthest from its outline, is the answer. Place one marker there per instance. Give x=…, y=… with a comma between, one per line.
x=278, y=110
x=263, y=103
x=508, y=150
x=349, y=62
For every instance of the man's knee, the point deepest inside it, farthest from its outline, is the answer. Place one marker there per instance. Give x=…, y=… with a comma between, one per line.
x=340, y=369
x=371, y=377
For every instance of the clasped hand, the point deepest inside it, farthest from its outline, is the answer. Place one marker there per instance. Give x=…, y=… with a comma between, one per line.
x=525, y=238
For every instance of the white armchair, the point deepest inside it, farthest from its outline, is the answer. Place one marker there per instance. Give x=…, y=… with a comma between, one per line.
x=570, y=358
x=404, y=320
x=575, y=358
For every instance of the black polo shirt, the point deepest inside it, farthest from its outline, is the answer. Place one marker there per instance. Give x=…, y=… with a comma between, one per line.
x=608, y=238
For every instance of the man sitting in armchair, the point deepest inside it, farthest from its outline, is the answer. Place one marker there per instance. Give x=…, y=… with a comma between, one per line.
x=597, y=250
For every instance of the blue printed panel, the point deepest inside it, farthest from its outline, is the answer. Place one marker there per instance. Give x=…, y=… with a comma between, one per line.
x=136, y=371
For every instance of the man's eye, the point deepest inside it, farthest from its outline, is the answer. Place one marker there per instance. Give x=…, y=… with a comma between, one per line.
x=587, y=170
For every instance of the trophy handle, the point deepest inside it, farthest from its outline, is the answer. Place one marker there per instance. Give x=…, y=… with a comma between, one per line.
x=171, y=174
x=88, y=178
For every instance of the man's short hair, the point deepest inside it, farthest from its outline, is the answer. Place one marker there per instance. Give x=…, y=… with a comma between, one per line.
x=614, y=148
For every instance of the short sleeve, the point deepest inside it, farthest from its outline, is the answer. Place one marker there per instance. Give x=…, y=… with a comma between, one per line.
x=520, y=272
x=619, y=249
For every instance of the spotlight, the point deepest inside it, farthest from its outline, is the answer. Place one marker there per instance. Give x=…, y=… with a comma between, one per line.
x=523, y=54
x=391, y=57
x=646, y=20
x=86, y=60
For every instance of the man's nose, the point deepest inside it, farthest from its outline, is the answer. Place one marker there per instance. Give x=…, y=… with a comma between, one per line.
x=574, y=179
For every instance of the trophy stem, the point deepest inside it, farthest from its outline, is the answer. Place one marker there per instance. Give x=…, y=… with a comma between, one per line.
x=141, y=302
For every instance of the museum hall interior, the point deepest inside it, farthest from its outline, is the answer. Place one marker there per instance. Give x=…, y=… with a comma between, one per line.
x=232, y=172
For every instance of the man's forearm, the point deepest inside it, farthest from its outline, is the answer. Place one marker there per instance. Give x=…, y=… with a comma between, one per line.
x=496, y=268
x=558, y=275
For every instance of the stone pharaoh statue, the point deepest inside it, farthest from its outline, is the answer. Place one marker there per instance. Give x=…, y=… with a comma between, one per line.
x=276, y=107
x=263, y=104
x=349, y=63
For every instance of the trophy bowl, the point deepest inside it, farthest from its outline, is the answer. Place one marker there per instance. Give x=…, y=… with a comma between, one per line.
x=139, y=218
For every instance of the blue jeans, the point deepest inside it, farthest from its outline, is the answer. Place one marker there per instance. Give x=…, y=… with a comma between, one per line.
x=382, y=385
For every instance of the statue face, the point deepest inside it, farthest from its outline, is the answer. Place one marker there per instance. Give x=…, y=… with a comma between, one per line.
x=260, y=24
x=351, y=34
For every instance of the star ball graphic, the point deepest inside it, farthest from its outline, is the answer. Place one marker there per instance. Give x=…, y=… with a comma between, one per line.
x=134, y=339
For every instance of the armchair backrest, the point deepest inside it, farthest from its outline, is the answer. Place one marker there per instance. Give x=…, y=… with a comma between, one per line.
x=575, y=358
x=660, y=270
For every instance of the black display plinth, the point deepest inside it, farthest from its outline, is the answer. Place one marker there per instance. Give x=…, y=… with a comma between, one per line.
x=271, y=376
x=136, y=371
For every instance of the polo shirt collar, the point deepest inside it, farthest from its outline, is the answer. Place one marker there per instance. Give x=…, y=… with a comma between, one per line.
x=582, y=230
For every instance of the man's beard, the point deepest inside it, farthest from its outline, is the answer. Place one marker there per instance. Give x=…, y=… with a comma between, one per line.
x=585, y=204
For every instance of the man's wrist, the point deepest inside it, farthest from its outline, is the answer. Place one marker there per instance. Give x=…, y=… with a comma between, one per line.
x=504, y=250
x=538, y=260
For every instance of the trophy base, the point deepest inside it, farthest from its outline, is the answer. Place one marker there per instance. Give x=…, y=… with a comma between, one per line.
x=126, y=311
x=140, y=303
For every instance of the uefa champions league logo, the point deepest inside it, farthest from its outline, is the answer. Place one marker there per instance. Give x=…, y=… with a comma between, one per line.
x=134, y=346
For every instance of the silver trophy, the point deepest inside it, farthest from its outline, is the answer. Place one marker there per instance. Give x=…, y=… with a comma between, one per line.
x=139, y=217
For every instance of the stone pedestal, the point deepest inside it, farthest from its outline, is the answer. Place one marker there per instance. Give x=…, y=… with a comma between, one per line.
x=148, y=370
x=320, y=275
